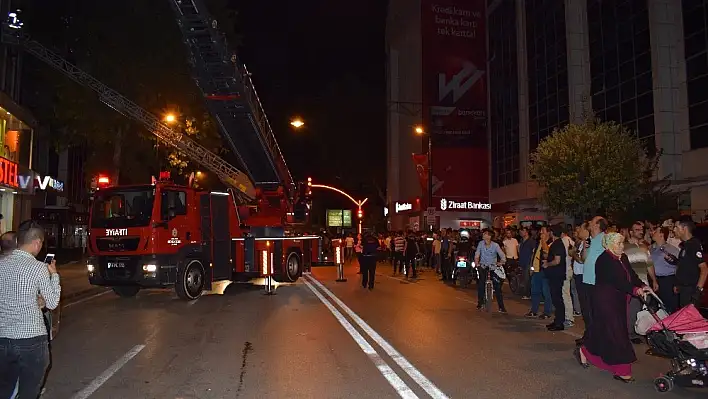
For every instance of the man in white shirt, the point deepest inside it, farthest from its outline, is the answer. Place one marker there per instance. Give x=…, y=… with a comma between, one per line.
x=24, y=345
x=349, y=247
x=511, y=248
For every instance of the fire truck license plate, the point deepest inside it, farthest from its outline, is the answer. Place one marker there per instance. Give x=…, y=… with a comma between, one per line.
x=116, y=265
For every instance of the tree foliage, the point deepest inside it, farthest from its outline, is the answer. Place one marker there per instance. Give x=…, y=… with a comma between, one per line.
x=132, y=46
x=591, y=167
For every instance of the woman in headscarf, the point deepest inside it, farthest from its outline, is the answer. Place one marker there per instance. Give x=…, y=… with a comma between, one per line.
x=607, y=345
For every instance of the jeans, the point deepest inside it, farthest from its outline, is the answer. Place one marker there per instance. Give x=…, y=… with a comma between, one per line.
x=556, y=287
x=496, y=285
x=540, y=288
x=24, y=361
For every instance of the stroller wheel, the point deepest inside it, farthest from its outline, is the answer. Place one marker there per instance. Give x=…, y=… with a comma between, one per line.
x=663, y=384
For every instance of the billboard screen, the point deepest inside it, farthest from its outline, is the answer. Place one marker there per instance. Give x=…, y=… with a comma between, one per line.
x=339, y=218
x=455, y=93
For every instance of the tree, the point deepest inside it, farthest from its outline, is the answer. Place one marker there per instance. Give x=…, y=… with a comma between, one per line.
x=589, y=168
x=656, y=201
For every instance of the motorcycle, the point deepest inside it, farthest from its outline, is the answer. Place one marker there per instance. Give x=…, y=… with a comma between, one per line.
x=464, y=270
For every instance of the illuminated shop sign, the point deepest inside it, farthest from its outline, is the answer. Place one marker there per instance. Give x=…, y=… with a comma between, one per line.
x=406, y=206
x=20, y=178
x=452, y=205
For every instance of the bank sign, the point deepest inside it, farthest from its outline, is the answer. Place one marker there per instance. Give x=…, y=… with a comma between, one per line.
x=453, y=205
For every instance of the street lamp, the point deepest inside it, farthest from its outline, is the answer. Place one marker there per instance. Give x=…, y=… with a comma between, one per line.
x=170, y=118
x=421, y=132
x=297, y=123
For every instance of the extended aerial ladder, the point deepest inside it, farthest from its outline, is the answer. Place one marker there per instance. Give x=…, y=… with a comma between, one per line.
x=232, y=99
x=240, y=185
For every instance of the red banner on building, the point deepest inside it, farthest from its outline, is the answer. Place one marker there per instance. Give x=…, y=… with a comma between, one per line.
x=421, y=167
x=454, y=76
x=455, y=96
x=460, y=174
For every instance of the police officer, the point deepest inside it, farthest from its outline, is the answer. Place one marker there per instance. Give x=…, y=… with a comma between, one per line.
x=692, y=270
x=370, y=245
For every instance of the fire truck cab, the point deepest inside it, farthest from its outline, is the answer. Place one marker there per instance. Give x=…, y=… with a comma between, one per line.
x=164, y=234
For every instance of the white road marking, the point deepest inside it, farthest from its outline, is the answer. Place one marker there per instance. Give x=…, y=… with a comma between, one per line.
x=402, y=362
x=85, y=299
x=106, y=375
x=396, y=382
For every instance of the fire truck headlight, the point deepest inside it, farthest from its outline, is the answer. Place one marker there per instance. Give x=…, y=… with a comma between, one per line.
x=150, y=268
x=89, y=267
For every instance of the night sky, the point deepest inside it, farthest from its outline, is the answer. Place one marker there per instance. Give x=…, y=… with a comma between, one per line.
x=324, y=61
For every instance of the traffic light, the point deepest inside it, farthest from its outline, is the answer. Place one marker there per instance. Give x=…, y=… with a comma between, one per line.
x=360, y=214
x=309, y=182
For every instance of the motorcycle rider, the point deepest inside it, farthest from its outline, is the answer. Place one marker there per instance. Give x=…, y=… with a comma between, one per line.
x=464, y=248
x=486, y=259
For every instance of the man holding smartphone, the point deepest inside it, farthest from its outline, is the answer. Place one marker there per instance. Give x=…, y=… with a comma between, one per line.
x=24, y=345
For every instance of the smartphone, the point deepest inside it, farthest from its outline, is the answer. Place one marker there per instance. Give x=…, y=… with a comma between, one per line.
x=49, y=258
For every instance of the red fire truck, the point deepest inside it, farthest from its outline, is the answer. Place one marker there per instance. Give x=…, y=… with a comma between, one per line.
x=162, y=234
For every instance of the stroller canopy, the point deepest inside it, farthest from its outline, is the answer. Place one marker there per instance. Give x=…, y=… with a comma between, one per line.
x=684, y=321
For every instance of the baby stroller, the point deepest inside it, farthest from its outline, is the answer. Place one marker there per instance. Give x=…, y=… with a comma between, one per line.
x=683, y=338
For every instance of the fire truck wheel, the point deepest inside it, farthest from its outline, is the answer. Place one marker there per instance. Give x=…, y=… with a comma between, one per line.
x=190, y=280
x=127, y=291
x=292, y=269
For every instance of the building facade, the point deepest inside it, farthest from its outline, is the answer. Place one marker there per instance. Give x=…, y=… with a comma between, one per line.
x=641, y=63
x=437, y=113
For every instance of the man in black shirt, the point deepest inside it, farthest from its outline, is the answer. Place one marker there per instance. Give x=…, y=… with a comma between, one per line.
x=555, y=270
x=692, y=270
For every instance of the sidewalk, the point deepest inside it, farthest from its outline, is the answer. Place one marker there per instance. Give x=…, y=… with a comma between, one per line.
x=74, y=281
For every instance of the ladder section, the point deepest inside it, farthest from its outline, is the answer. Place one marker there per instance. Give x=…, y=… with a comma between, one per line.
x=231, y=97
x=228, y=174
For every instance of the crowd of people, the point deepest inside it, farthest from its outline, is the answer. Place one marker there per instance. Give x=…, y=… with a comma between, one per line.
x=589, y=271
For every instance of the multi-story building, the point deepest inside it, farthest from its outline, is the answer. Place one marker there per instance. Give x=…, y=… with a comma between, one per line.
x=642, y=63
x=636, y=62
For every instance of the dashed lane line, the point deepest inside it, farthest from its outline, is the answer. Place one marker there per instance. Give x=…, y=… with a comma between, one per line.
x=393, y=379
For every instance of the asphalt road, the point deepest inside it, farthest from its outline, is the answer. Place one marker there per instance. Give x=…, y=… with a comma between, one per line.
x=322, y=339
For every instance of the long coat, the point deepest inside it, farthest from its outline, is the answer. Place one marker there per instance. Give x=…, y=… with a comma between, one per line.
x=607, y=335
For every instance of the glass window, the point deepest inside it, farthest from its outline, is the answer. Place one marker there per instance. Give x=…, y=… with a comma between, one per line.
x=121, y=208
x=13, y=134
x=645, y=126
x=698, y=114
x=173, y=203
x=644, y=83
x=645, y=105
x=629, y=110
x=695, y=44
x=694, y=22
x=699, y=137
x=698, y=90
x=627, y=90
x=612, y=78
x=696, y=66
x=612, y=97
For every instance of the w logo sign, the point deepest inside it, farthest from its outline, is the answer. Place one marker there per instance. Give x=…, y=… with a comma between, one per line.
x=460, y=83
